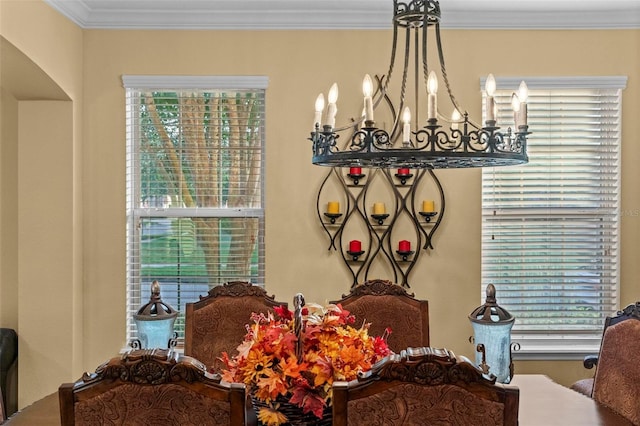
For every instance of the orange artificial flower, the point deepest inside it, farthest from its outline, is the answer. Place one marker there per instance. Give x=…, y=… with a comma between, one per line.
x=332, y=349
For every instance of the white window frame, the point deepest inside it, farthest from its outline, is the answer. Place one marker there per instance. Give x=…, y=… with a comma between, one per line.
x=137, y=293
x=550, y=345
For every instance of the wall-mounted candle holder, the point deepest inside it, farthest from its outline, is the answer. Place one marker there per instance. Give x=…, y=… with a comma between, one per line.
x=428, y=215
x=405, y=254
x=380, y=217
x=404, y=175
x=355, y=254
x=396, y=214
x=332, y=217
x=355, y=177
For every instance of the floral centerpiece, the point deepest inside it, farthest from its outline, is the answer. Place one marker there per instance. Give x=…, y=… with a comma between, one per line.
x=285, y=362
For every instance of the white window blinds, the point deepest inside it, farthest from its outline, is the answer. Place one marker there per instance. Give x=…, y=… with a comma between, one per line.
x=195, y=192
x=550, y=227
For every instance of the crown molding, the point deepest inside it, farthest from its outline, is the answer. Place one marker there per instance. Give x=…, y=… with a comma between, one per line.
x=343, y=14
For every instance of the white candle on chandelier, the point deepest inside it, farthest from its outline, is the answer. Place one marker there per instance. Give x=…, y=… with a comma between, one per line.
x=332, y=109
x=406, y=128
x=515, y=104
x=490, y=103
x=432, y=101
x=523, y=94
x=319, y=108
x=367, y=91
x=455, y=119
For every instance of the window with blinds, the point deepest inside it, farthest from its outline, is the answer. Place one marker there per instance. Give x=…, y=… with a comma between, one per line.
x=550, y=228
x=195, y=191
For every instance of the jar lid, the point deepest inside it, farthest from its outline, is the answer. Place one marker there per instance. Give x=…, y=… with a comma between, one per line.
x=156, y=309
x=491, y=312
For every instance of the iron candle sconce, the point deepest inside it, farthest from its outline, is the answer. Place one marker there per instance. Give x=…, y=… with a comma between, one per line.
x=427, y=215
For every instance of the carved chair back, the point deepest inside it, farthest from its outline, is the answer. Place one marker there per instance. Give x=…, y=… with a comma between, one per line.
x=631, y=312
x=422, y=386
x=385, y=304
x=152, y=386
x=617, y=376
x=217, y=322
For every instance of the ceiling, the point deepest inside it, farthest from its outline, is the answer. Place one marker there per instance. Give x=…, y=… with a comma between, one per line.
x=344, y=14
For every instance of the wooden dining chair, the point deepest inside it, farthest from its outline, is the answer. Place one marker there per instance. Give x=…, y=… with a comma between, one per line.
x=423, y=386
x=217, y=322
x=152, y=387
x=617, y=374
x=388, y=305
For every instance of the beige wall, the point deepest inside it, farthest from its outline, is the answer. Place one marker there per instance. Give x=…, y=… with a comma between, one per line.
x=300, y=64
x=40, y=186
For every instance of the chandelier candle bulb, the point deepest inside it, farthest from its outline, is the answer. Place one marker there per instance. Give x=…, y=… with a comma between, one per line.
x=490, y=104
x=455, y=119
x=332, y=108
x=379, y=208
x=355, y=246
x=523, y=95
x=404, y=246
x=333, y=207
x=432, y=101
x=319, y=108
x=515, y=104
x=355, y=171
x=406, y=128
x=428, y=206
x=367, y=90
x=403, y=172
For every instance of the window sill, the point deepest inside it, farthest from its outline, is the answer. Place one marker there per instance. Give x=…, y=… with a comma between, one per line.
x=554, y=347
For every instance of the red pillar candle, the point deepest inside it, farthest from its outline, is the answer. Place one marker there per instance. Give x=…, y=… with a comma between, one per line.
x=404, y=246
x=355, y=171
x=403, y=172
x=355, y=246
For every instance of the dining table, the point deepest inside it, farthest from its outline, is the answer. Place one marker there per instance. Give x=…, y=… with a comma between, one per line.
x=543, y=402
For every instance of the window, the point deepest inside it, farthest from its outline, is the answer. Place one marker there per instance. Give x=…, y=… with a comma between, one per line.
x=195, y=186
x=550, y=227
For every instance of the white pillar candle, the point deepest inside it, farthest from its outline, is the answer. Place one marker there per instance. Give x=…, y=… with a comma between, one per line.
x=332, y=109
x=490, y=104
x=432, y=100
x=515, y=104
x=406, y=128
x=523, y=95
x=317, y=119
x=455, y=119
x=367, y=90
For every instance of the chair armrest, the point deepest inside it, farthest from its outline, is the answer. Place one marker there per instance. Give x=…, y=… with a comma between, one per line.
x=590, y=361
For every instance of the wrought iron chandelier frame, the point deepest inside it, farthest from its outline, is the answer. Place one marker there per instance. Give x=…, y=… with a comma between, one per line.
x=464, y=144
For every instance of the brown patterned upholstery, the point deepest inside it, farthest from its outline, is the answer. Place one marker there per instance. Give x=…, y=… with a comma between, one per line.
x=385, y=304
x=617, y=380
x=424, y=386
x=615, y=383
x=216, y=323
x=152, y=387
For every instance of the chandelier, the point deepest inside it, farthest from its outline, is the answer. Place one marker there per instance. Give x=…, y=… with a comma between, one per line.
x=439, y=142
